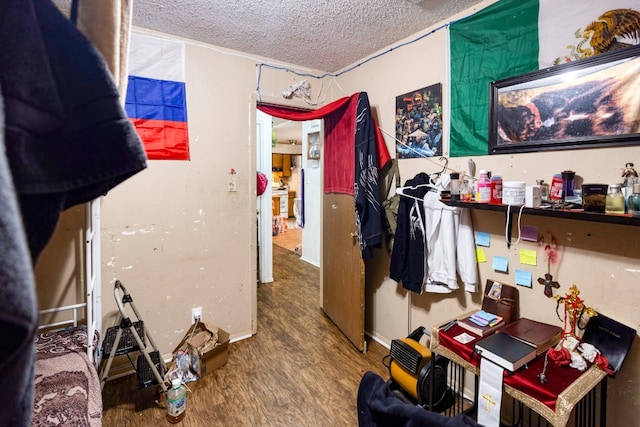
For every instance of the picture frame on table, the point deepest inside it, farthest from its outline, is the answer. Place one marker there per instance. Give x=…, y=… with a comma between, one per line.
x=587, y=103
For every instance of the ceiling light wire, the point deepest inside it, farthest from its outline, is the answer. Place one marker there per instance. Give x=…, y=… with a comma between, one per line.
x=371, y=58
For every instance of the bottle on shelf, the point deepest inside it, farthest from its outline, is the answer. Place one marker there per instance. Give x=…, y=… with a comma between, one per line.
x=544, y=190
x=455, y=186
x=176, y=401
x=465, y=191
x=555, y=191
x=633, y=202
x=496, y=190
x=484, y=187
x=568, y=178
x=614, y=202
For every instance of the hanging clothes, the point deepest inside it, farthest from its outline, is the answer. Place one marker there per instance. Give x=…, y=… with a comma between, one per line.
x=409, y=254
x=450, y=247
x=67, y=141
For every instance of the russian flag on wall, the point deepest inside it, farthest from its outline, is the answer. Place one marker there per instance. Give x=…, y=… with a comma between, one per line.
x=512, y=37
x=156, y=100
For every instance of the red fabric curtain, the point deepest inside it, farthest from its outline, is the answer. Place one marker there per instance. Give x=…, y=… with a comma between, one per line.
x=339, y=147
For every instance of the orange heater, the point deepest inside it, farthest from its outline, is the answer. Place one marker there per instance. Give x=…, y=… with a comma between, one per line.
x=410, y=370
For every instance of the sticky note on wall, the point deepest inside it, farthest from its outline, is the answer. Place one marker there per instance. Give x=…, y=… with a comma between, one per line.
x=480, y=255
x=523, y=278
x=500, y=263
x=483, y=239
x=528, y=257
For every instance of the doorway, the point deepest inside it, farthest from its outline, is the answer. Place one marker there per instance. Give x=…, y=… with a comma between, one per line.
x=342, y=288
x=301, y=184
x=286, y=178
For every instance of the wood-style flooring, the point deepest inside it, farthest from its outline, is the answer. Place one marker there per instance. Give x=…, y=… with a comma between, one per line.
x=290, y=239
x=298, y=370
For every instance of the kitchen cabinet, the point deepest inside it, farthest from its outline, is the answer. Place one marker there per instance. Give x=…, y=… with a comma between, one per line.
x=276, y=162
x=292, y=196
x=286, y=165
x=280, y=199
x=281, y=163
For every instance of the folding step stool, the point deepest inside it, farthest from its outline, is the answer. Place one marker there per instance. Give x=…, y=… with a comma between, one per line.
x=132, y=336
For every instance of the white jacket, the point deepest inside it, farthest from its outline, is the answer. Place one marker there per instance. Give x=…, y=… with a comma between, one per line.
x=450, y=247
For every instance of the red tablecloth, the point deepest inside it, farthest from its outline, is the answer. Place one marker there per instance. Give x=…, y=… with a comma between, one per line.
x=525, y=379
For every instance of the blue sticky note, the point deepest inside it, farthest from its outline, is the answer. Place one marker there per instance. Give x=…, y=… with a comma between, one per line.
x=523, y=278
x=483, y=239
x=500, y=263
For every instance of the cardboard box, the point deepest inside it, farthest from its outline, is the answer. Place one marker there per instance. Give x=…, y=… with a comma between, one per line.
x=208, y=347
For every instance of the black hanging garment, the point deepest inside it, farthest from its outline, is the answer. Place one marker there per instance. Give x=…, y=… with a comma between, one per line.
x=67, y=141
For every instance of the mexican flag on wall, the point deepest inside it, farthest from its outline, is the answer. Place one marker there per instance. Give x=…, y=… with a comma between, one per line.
x=513, y=37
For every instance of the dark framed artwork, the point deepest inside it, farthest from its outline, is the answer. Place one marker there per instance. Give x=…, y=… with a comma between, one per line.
x=593, y=102
x=419, y=123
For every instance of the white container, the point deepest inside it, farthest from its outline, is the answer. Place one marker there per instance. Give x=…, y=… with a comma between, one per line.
x=532, y=197
x=513, y=193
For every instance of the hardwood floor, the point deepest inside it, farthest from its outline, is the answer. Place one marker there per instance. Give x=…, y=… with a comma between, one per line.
x=298, y=370
x=291, y=239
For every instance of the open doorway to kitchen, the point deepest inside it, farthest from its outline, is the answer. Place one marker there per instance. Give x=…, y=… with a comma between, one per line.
x=289, y=209
x=287, y=184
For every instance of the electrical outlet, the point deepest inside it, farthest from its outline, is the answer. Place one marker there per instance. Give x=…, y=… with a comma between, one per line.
x=196, y=314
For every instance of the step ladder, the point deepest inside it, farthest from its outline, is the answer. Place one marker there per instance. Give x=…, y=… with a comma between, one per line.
x=131, y=336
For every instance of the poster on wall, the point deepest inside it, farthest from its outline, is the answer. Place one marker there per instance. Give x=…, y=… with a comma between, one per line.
x=419, y=123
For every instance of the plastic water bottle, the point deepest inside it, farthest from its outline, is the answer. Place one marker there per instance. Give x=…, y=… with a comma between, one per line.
x=176, y=401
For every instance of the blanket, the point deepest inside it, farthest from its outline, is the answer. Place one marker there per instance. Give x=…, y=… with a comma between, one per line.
x=67, y=388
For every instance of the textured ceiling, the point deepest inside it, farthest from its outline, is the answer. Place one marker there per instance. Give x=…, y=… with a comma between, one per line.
x=327, y=35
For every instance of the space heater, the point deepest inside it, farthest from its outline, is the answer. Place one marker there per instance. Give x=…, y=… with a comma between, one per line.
x=411, y=370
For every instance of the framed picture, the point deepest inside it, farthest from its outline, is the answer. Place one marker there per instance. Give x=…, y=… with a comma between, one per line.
x=313, y=152
x=592, y=102
x=419, y=123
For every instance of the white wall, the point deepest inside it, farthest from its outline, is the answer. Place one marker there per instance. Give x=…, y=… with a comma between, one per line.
x=311, y=232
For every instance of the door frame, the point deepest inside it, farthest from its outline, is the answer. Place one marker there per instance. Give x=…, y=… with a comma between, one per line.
x=264, y=210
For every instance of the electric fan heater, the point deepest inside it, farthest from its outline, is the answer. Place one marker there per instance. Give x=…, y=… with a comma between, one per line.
x=410, y=369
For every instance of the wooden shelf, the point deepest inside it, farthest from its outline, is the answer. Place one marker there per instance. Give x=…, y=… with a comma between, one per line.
x=578, y=215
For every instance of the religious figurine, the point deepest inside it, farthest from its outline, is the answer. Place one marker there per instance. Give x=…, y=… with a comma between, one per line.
x=574, y=309
x=629, y=174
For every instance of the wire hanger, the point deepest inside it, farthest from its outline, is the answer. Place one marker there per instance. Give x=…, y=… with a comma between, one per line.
x=401, y=190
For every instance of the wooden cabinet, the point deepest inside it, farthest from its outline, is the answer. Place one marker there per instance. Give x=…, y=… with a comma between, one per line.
x=292, y=195
x=276, y=162
x=286, y=165
x=281, y=163
x=275, y=205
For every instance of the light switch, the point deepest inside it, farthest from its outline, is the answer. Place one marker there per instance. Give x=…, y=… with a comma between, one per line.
x=232, y=181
